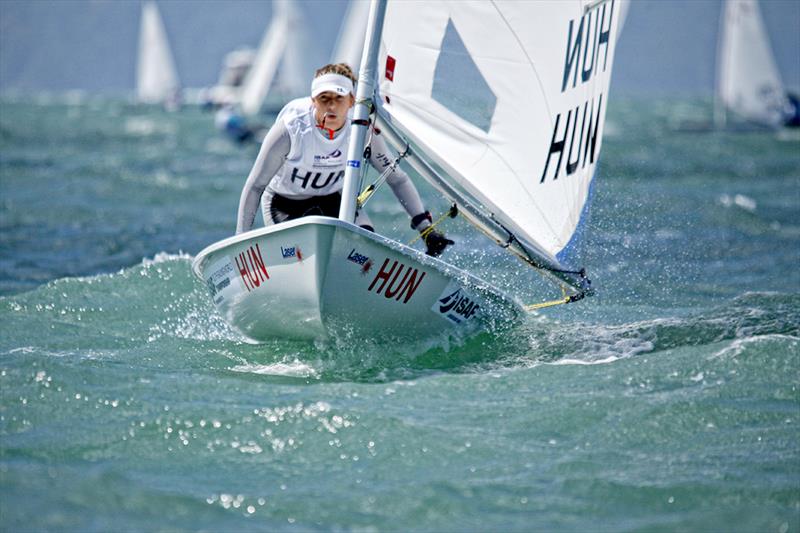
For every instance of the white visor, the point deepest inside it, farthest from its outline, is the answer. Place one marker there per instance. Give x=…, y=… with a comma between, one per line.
x=335, y=83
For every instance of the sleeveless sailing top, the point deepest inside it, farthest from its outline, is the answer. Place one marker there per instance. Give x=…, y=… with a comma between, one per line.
x=315, y=165
x=298, y=163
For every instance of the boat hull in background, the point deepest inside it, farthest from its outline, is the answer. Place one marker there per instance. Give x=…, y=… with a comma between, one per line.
x=315, y=277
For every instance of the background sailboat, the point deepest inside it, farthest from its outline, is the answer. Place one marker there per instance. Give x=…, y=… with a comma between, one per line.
x=278, y=72
x=350, y=41
x=234, y=69
x=283, y=63
x=749, y=84
x=156, y=76
x=258, y=80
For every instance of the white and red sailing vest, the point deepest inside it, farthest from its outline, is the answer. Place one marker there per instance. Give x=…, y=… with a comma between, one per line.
x=315, y=164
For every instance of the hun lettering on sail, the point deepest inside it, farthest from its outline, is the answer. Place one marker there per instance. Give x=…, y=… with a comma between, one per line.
x=516, y=121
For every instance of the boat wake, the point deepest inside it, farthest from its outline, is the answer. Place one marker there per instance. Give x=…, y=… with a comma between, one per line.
x=291, y=369
x=158, y=314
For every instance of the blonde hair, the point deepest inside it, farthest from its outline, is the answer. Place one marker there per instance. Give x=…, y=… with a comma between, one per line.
x=343, y=69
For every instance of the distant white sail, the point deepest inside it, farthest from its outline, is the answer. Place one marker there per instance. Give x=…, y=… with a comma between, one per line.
x=282, y=64
x=259, y=78
x=350, y=42
x=748, y=81
x=156, y=76
x=509, y=98
x=297, y=67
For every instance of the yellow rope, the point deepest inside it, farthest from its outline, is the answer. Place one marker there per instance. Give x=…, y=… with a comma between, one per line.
x=371, y=188
x=565, y=300
x=424, y=233
x=364, y=195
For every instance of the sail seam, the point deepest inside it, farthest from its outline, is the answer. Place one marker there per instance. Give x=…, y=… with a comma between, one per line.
x=530, y=61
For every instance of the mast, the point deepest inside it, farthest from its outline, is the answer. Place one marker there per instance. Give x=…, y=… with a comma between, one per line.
x=359, y=126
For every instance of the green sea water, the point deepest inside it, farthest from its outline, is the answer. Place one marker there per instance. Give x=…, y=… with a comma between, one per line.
x=670, y=401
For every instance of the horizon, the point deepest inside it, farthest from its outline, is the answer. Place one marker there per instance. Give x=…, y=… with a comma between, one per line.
x=665, y=48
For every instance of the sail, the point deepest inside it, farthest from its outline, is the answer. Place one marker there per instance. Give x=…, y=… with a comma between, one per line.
x=259, y=78
x=283, y=64
x=350, y=42
x=748, y=81
x=509, y=99
x=156, y=76
x=298, y=65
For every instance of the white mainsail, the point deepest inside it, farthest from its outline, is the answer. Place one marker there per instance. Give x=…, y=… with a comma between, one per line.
x=748, y=81
x=156, y=76
x=509, y=99
x=350, y=42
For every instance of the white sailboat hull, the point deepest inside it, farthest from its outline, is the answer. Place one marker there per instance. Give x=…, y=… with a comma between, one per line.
x=316, y=276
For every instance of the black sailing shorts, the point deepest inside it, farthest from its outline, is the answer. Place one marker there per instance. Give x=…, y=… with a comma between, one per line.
x=282, y=209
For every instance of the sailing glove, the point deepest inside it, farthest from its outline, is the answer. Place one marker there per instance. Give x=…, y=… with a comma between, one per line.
x=436, y=243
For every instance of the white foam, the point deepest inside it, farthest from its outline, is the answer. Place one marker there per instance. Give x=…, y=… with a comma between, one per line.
x=295, y=369
x=737, y=346
x=738, y=200
x=23, y=349
x=609, y=359
x=166, y=257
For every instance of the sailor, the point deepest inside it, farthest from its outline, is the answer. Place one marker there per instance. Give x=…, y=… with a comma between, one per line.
x=231, y=123
x=299, y=170
x=791, y=117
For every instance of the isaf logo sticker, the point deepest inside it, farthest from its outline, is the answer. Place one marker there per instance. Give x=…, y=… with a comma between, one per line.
x=455, y=304
x=332, y=159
